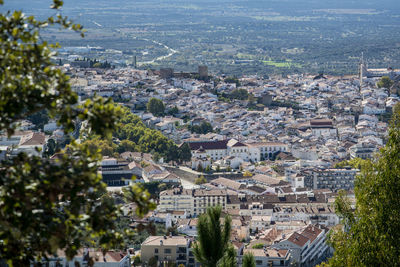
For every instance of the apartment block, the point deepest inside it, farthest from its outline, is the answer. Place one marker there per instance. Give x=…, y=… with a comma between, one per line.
x=166, y=249
x=334, y=179
x=193, y=201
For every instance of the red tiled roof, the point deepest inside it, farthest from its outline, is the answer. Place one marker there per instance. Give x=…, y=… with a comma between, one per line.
x=208, y=145
x=298, y=239
x=311, y=232
x=36, y=139
x=321, y=122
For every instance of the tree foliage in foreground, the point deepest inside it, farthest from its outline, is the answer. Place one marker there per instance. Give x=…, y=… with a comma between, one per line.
x=229, y=258
x=248, y=260
x=213, y=237
x=371, y=236
x=46, y=205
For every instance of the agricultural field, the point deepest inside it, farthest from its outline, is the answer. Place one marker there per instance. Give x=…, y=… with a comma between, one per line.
x=235, y=37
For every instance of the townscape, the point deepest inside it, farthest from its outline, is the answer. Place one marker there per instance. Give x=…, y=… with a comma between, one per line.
x=273, y=153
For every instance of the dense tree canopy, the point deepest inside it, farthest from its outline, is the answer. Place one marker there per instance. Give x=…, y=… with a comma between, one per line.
x=156, y=107
x=240, y=94
x=356, y=163
x=132, y=135
x=232, y=80
x=385, y=82
x=46, y=205
x=147, y=140
x=203, y=128
x=185, y=153
x=371, y=236
x=39, y=118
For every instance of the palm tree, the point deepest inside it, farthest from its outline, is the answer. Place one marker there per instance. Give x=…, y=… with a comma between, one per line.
x=248, y=260
x=213, y=237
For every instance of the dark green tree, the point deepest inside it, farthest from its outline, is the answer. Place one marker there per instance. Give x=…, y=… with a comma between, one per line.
x=39, y=118
x=51, y=147
x=203, y=128
x=131, y=128
x=206, y=127
x=370, y=235
x=240, y=94
x=173, y=111
x=185, y=153
x=385, y=82
x=48, y=205
x=232, y=80
x=156, y=156
x=248, y=260
x=126, y=145
x=156, y=107
x=213, y=237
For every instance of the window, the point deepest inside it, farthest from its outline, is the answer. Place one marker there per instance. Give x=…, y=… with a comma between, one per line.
x=259, y=262
x=167, y=251
x=156, y=250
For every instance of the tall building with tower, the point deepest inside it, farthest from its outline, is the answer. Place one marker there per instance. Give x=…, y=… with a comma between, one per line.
x=167, y=73
x=203, y=71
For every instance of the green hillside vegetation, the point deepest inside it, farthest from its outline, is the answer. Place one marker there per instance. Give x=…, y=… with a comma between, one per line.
x=131, y=134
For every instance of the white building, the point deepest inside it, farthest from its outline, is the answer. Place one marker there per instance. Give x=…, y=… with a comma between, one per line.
x=253, y=152
x=307, y=247
x=322, y=127
x=193, y=201
x=268, y=257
